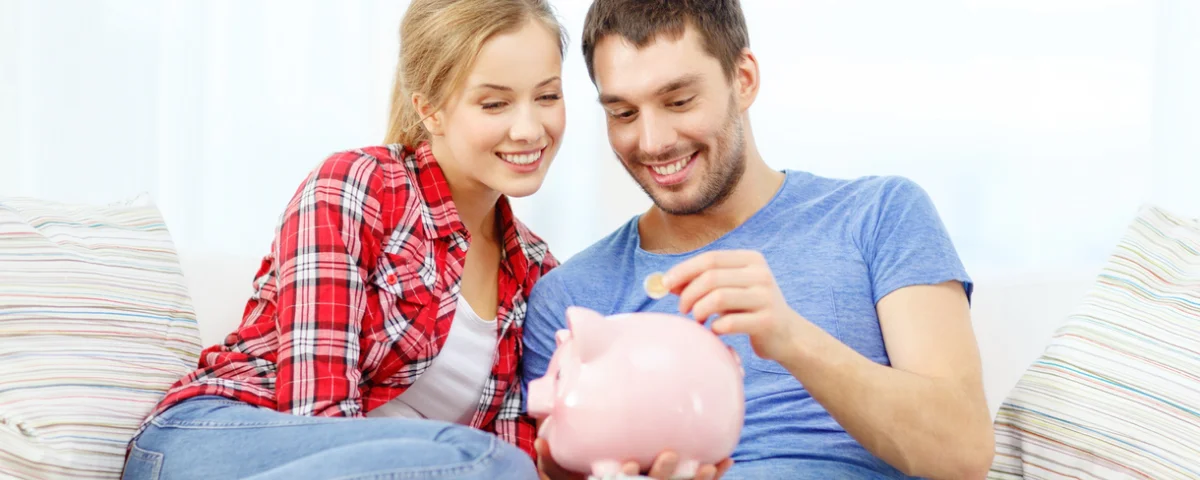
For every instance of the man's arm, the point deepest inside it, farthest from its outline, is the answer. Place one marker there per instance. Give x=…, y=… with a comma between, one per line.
x=926, y=415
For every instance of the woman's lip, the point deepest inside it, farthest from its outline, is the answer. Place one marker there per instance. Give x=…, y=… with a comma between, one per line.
x=523, y=152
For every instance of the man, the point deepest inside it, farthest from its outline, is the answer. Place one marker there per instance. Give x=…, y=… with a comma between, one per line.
x=844, y=298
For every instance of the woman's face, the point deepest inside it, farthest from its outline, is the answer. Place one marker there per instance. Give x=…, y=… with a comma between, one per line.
x=503, y=127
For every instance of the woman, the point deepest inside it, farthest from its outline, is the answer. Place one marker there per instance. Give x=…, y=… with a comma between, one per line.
x=395, y=286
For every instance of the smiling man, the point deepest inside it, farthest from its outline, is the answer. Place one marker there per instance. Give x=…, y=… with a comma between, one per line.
x=845, y=298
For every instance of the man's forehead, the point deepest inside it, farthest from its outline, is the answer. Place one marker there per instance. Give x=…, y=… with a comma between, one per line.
x=624, y=69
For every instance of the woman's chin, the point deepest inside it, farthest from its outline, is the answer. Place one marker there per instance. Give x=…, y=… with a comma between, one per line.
x=520, y=192
x=518, y=187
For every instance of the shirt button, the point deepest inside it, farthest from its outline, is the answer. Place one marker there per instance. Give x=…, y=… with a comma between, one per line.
x=391, y=279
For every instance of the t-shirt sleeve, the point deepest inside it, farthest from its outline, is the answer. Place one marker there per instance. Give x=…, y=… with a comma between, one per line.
x=544, y=316
x=905, y=242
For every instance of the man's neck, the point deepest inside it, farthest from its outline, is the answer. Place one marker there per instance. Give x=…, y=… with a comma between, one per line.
x=662, y=232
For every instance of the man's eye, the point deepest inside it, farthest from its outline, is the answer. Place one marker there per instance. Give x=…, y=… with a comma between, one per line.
x=683, y=102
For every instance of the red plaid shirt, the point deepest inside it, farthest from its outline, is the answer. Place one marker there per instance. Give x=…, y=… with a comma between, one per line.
x=358, y=293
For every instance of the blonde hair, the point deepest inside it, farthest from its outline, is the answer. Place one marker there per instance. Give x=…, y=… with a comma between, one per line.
x=439, y=40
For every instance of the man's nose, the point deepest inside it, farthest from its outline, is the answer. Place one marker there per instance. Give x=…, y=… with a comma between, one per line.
x=658, y=136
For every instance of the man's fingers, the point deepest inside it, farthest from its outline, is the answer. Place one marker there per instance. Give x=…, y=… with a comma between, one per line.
x=664, y=465
x=691, y=268
x=547, y=468
x=706, y=472
x=711, y=280
x=723, y=467
x=736, y=323
x=728, y=301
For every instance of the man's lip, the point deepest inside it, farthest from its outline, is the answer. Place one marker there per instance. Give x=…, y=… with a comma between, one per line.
x=663, y=164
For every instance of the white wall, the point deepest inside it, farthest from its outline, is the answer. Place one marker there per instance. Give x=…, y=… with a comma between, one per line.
x=1037, y=125
x=1177, y=106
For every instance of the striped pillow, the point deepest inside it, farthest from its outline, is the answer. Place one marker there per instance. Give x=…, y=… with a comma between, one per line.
x=95, y=324
x=1116, y=394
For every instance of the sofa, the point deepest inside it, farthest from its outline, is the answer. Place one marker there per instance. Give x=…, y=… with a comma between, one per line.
x=65, y=409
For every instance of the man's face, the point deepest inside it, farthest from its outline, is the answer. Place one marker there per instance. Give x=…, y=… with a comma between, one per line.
x=674, y=120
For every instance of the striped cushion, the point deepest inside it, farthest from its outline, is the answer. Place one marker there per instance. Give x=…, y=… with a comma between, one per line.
x=1116, y=394
x=95, y=324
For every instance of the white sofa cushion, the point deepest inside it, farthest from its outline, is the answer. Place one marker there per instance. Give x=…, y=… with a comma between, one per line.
x=95, y=324
x=1116, y=394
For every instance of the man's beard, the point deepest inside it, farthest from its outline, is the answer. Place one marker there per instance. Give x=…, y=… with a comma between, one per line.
x=726, y=164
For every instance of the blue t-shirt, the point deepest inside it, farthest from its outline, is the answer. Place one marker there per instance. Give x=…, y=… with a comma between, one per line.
x=836, y=248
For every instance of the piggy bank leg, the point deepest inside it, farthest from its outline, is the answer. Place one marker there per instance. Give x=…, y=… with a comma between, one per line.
x=619, y=476
x=686, y=469
x=606, y=469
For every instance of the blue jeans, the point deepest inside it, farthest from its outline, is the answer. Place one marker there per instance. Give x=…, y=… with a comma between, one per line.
x=214, y=437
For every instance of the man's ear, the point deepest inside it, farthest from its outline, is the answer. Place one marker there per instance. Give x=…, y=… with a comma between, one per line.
x=431, y=117
x=746, y=79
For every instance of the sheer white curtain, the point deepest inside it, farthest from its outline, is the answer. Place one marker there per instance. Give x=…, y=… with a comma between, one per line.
x=1038, y=126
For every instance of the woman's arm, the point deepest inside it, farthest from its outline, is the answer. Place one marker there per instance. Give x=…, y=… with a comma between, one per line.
x=328, y=239
x=512, y=425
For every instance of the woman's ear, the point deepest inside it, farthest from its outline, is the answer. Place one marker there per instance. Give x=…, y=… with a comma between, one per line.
x=430, y=116
x=746, y=79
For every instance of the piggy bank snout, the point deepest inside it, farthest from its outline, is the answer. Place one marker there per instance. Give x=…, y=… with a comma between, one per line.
x=541, y=397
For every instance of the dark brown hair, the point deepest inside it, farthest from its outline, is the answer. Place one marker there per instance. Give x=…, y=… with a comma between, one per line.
x=720, y=24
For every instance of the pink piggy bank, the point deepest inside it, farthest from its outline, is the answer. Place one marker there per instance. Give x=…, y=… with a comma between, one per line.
x=628, y=387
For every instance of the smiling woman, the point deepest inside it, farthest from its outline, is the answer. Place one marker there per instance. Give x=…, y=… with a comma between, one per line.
x=510, y=108
x=507, y=105
x=388, y=258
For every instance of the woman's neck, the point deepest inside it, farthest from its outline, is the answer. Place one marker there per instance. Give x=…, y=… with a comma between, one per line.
x=475, y=202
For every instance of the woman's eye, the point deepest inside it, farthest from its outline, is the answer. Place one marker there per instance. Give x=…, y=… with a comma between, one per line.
x=493, y=105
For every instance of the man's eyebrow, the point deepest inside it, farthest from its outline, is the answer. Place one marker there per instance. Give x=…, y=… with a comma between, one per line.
x=509, y=89
x=677, y=84
x=609, y=99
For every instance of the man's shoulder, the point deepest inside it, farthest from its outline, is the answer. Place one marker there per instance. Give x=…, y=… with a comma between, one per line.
x=600, y=255
x=597, y=262
x=866, y=188
x=857, y=199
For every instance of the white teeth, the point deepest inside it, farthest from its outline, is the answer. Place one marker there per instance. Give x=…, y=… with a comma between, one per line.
x=671, y=167
x=524, y=159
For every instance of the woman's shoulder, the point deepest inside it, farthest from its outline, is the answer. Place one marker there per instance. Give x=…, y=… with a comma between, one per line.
x=376, y=178
x=376, y=171
x=373, y=160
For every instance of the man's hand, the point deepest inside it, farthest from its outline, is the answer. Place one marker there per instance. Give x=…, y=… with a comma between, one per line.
x=740, y=289
x=662, y=469
x=547, y=468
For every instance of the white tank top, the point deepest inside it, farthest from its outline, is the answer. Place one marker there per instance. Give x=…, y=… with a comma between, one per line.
x=450, y=388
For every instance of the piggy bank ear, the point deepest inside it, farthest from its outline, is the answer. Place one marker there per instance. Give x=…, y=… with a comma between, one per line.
x=561, y=337
x=589, y=332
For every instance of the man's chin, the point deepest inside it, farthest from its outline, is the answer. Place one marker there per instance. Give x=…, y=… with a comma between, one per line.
x=676, y=205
